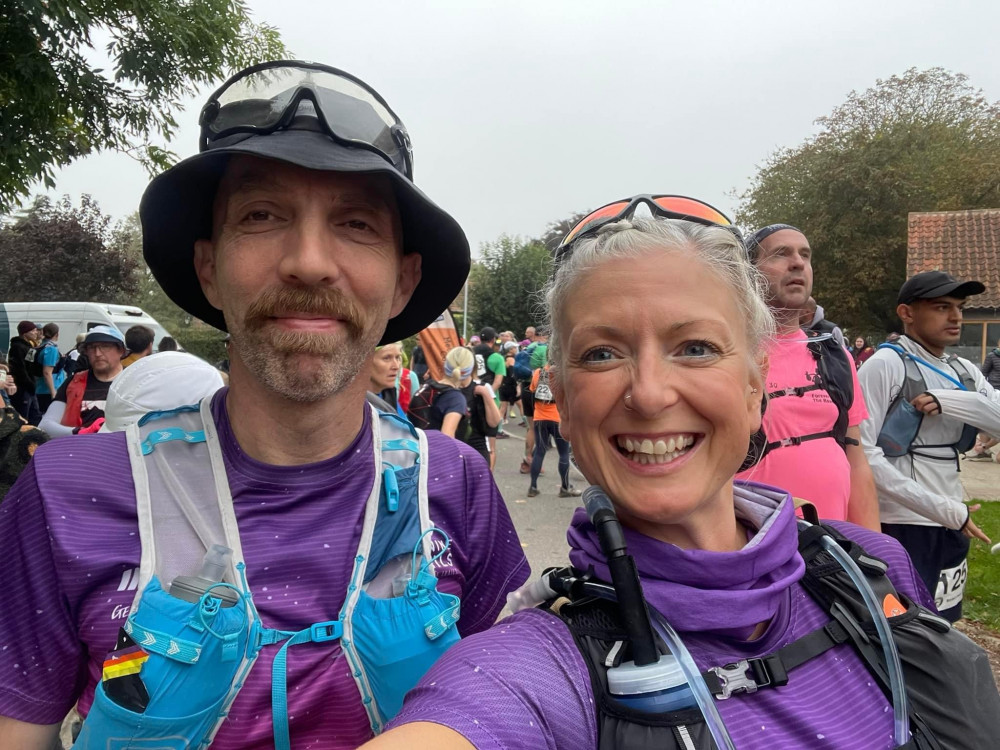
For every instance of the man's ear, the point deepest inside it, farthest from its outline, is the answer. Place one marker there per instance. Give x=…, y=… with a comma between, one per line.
x=406, y=281
x=905, y=313
x=204, y=267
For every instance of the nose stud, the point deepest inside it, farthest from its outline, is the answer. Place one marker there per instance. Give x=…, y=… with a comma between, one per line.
x=628, y=400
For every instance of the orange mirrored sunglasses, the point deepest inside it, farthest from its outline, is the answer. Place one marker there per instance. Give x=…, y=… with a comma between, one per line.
x=666, y=206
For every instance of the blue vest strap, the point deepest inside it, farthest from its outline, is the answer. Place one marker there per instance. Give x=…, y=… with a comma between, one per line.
x=163, y=644
x=319, y=632
x=171, y=433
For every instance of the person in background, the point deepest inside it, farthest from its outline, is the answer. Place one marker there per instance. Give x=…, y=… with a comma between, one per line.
x=547, y=428
x=167, y=344
x=159, y=382
x=79, y=404
x=387, y=380
x=861, y=352
x=984, y=442
x=139, y=343
x=508, y=391
x=940, y=398
x=76, y=361
x=53, y=372
x=21, y=358
x=814, y=404
x=7, y=386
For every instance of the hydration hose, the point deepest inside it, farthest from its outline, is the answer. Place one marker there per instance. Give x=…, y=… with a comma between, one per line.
x=900, y=712
x=627, y=592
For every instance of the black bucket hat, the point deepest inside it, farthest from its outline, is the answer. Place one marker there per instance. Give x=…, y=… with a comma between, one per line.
x=176, y=211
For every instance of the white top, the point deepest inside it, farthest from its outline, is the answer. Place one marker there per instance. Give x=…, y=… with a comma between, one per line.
x=911, y=489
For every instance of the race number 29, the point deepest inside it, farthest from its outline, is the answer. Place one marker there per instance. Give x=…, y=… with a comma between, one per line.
x=951, y=586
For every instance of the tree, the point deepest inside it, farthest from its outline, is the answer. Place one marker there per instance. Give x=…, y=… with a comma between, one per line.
x=56, y=106
x=505, y=283
x=194, y=335
x=57, y=251
x=923, y=141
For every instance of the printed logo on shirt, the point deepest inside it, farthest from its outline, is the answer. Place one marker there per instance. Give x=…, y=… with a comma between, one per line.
x=130, y=580
x=480, y=365
x=446, y=560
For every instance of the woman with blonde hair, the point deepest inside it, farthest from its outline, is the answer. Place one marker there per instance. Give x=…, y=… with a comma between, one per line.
x=689, y=618
x=458, y=406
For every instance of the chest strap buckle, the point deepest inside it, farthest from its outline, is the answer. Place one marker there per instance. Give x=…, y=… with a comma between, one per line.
x=321, y=632
x=733, y=678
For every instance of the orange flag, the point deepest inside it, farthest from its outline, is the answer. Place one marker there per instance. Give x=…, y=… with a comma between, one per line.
x=437, y=339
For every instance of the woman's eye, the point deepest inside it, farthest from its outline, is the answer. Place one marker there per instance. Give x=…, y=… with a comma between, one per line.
x=699, y=349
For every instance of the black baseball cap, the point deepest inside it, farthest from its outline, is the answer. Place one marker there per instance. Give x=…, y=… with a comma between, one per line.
x=934, y=284
x=176, y=211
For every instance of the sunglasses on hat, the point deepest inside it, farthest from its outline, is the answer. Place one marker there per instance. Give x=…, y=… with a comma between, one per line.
x=664, y=206
x=267, y=97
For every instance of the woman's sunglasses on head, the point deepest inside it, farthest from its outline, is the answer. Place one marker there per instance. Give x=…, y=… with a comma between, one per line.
x=662, y=206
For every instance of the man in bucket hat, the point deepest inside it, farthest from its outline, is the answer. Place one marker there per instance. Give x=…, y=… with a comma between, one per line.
x=299, y=230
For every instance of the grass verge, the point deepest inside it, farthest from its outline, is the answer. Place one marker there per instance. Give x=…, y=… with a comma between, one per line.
x=982, y=590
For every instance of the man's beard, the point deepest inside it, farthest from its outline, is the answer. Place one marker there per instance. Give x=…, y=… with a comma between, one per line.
x=273, y=355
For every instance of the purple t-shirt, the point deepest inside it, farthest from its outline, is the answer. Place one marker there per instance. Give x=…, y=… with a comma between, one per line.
x=69, y=549
x=524, y=684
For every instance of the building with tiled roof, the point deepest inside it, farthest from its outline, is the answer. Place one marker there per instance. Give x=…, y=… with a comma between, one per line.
x=966, y=244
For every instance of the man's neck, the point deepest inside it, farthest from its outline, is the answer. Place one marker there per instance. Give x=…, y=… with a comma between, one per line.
x=282, y=432
x=937, y=351
x=108, y=376
x=786, y=319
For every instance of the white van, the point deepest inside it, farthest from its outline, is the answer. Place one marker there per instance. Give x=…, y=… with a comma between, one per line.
x=73, y=318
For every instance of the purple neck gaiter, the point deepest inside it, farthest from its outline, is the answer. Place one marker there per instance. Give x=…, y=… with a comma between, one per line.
x=722, y=593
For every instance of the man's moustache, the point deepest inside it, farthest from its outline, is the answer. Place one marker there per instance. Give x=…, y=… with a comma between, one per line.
x=327, y=303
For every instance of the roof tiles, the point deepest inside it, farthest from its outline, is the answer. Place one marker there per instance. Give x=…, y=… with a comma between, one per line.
x=966, y=244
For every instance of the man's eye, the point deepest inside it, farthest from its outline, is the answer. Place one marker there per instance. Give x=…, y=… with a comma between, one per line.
x=258, y=215
x=359, y=225
x=600, y=354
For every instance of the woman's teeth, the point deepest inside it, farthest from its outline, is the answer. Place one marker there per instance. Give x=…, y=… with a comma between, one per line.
x=646, y=451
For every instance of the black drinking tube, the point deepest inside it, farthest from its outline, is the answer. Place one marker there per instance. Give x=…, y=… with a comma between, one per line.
x=624, y=575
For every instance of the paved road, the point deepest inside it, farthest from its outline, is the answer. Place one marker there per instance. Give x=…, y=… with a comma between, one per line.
x=540, y=521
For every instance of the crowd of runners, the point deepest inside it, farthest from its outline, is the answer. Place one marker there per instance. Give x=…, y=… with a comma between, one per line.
x=770, y=554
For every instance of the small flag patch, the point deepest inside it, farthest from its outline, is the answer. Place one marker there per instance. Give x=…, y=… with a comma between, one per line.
x=124, y=662
x=892, y=607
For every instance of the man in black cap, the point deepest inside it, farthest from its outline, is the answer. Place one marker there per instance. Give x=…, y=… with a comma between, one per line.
x=925, y=407
x=354, y=539
x=814, y=409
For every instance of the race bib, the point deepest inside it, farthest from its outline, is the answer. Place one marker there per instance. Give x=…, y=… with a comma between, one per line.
x=951, y=586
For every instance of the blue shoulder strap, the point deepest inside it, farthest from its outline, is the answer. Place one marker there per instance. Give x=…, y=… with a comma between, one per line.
x=903, y=353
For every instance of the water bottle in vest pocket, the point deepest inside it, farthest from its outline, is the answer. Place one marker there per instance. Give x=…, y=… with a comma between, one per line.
x=195, y=656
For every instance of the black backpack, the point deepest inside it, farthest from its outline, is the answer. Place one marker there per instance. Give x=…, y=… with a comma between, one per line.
x=835, y=375
x=424, y=415
x=962, y=714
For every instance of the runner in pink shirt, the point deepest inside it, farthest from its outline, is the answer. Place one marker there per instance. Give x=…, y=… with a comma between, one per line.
x=809, y=453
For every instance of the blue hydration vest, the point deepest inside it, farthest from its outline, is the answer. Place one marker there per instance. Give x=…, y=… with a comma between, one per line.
x=199, y=653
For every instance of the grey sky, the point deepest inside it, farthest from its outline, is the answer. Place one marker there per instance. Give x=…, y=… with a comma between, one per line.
x=523, y=112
